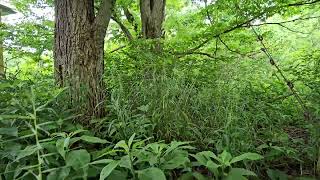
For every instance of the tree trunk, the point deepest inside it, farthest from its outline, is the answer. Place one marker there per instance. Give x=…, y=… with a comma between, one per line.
x=152, y=18
x=2, y=70
x=79, y=50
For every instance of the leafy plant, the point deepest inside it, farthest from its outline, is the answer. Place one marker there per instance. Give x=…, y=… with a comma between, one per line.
x=221, y=166
x=148, y=161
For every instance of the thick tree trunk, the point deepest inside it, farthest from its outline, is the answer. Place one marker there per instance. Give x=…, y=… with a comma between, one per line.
x=78, y=53
x=152, y=18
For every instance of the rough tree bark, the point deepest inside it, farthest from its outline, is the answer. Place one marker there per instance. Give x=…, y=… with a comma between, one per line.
x=79, y=50
x=152, y=18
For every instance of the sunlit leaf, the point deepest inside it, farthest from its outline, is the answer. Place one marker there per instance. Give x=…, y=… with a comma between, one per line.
x=92, y=139
x=106, y=171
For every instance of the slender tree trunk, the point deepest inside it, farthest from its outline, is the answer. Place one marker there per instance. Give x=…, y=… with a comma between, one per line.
x=79, y=50
x=152, y=18
x=2, y=70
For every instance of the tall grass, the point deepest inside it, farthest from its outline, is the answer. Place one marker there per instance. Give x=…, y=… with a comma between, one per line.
x=235, y=106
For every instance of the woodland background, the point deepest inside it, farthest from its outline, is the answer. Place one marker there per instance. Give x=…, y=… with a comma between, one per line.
x=217, y=90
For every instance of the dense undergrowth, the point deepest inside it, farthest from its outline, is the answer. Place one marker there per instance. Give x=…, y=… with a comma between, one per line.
x=165, y=120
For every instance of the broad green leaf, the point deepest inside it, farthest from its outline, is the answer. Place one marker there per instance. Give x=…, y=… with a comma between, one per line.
x=125, y=162
x=174, y=145
x=13, y=131
x=204, y=156
x=29, y=150
x=225, y=157
x=62, y=145
x=213, y=167
x=108, y=169
x=110, y=152
x=92, y=139
x=239, y=173
x=74, y=140
x=201, y=159
x=247, y=156
x=151, y=174
x=122, y=144
x=156, y=147
x=209, y=154
x=140, y=143
x=131, y=140
x=176, y=160
x=78, y=159
x=59, y=174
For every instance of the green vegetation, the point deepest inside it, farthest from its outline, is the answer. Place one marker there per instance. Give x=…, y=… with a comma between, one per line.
x=230, y=91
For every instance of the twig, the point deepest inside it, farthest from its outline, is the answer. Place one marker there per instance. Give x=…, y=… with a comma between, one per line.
x=180, y=55
x=216, y=50
x=117, y=49
x=285, y=22
x=225, y=44
x=208, y=14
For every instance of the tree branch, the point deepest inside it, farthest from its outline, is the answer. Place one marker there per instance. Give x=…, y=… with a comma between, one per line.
x=124, y=29
x=117, y=49
x=180, y=55
x=285, y=22
x=208, y=14
x=234, y=51
x=216, y=48
x=303, y=3
x=103, y=17
x=246, y=54
x=240, y=25
x=224, y=32
x=131, y=19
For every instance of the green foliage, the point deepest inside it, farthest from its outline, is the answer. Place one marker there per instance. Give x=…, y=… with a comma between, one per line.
x=54, y=151
x=221, y=166
x=192, y=111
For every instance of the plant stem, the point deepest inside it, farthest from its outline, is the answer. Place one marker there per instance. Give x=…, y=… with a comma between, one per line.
x=36, y=135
